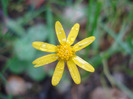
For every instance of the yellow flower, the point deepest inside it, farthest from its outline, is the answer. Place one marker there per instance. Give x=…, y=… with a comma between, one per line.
x=64, y=53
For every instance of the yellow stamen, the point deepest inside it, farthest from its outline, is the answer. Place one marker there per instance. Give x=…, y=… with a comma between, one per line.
x=65, y=52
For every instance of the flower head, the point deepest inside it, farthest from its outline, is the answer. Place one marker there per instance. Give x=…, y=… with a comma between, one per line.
x=64, y=53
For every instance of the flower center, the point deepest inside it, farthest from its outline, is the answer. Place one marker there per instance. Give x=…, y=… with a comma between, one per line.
x=65, y=52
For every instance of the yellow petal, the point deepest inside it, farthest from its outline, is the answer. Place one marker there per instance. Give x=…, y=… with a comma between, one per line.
x=82, y=44
x=58, y=73
x=73, y=34
x=83, y=64
x=74, y=71
x=60, y=32
x=45, y=60
x=42, y=46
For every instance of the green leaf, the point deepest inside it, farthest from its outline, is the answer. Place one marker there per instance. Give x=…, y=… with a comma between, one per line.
x=16, y=66
x=23, y=47
x=24, y=50
x=37, y=33
x=15, y=27
x=130, y=42
x=50, y=24
x=37, y=74
x=4, y=4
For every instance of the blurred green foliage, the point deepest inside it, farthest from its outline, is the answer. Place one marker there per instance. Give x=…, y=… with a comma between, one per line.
x=24, y=52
